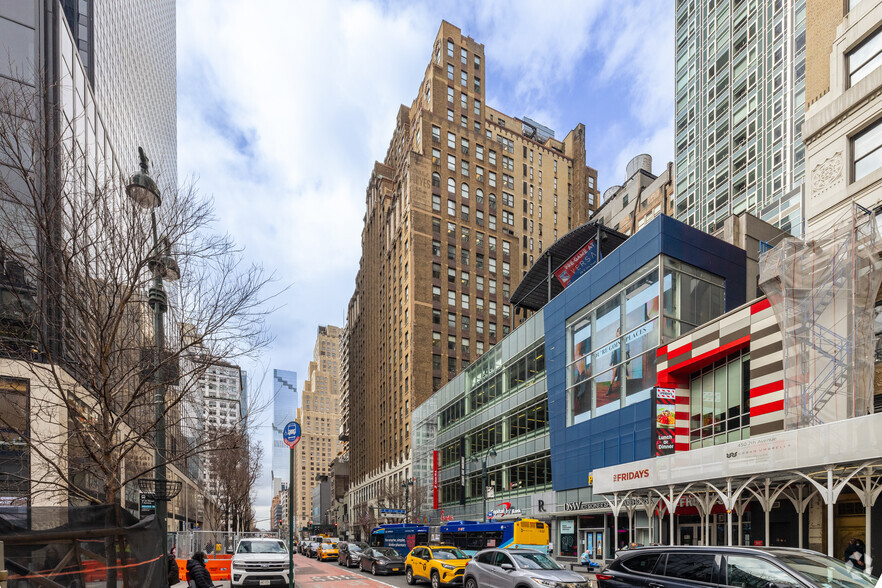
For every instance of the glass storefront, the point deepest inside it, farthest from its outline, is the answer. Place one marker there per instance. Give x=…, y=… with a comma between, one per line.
x=14, y=452
x=611, y=343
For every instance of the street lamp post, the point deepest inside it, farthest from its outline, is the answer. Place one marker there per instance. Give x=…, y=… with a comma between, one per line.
x=489, y=453
x=144, y=192
x=406, y=484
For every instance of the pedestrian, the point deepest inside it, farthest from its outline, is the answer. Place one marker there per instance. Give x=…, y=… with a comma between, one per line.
x=174, y=573
x=855, y=554
x=199, y=576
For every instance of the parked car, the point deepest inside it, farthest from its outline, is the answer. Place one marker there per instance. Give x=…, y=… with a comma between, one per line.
x=349, y=552
x=381, y=560
x=438, y=564
x=327, y=551
x=740, y=567
x=260, y=562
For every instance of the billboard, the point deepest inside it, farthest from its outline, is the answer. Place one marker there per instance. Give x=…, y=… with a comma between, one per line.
x=435, y=479
x=583, y=260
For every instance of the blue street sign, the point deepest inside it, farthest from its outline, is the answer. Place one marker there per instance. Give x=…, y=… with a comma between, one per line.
x=291, y=434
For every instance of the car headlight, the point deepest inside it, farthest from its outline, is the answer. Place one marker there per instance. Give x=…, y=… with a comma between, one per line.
x=448, y=566
x=548, y=583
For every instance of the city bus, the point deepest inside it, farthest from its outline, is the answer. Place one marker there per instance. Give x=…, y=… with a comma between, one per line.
x=402, y=537
x=472, y=536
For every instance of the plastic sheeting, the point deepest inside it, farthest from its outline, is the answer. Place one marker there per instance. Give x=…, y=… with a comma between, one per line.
x=46, y=546
x=822, y=291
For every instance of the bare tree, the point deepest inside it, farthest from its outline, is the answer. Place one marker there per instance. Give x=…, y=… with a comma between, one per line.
x=78, y=260
x=233, y=468
x=364, y=518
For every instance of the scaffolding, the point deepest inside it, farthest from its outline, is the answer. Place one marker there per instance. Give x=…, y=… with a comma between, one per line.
x=822, y=291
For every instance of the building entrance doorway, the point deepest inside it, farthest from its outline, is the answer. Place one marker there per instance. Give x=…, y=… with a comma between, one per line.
x=591, y=540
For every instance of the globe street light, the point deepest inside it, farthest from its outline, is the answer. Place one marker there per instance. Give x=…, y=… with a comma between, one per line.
x=144, y=192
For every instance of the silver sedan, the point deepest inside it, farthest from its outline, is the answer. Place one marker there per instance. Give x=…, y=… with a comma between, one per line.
x=506, y=568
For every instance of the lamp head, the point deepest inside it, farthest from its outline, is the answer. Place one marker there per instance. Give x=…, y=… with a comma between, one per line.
x=141, y=188
x=492, y=452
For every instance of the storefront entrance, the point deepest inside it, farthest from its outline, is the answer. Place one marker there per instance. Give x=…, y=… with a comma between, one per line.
x=591, y=540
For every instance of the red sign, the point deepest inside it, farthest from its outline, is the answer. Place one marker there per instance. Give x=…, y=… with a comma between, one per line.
x=635, y=475
x=578, y=264
x=435, y=479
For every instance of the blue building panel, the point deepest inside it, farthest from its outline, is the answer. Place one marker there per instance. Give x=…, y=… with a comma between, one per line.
x=625, y=434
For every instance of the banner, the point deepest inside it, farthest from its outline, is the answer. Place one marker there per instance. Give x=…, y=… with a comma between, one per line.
x=583, y=260
x=462, y=471
x=665, y=420
x=435, y=479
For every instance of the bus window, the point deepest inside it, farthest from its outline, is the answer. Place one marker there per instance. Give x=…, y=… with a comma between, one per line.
x=475, y=541
x=493, y=538
x=377, y=540
x=422, y=539
x=455, y=539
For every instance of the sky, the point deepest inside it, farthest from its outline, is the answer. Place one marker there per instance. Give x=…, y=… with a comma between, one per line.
x=284, y=106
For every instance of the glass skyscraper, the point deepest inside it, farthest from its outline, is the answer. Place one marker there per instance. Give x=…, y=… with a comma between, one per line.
x=740, y=106
x=286, y=399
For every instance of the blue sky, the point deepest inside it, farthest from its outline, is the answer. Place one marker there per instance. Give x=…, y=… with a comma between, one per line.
x=283, y=107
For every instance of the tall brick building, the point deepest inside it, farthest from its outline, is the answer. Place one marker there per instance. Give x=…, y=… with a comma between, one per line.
x=319, y=418
x=463, y=203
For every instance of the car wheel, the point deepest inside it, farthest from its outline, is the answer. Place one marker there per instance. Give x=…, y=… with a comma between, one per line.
x=471, y=583
x=408, y=576
x=436, y=580
x=348, y=563
x=374, y=569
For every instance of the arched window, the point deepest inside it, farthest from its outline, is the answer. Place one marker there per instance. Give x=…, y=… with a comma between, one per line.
x=451, y=185
x=436, y=180
x=465, y=190
x=492, y=200
x=479, y=196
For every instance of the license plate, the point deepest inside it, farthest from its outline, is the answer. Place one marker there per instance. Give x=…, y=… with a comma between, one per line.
x=394, y=569
x=264, y=582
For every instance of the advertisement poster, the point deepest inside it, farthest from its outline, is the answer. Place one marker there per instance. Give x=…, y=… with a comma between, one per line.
x=435, y=479
x=665, y=420
x=583, y=260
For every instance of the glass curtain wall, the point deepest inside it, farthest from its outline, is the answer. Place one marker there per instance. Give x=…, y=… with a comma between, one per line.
x=719, y=403
x=611, y=343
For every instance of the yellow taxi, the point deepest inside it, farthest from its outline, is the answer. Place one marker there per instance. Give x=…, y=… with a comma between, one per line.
x=327, y=551
x=439, y=564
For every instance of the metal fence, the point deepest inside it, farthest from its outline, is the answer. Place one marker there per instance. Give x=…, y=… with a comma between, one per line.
x=211, y=543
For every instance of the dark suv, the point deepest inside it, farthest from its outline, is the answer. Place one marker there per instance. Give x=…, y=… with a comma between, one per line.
x=349, y=552
x=739, y=567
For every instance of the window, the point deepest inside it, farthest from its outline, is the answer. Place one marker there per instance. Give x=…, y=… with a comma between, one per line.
x=492, y=247
x=450, y=99
x=436, y=203
x=508, y=199
x=477, y=62
x=865, y=58
x=698, y=567
x=436, y=247
x=451, y=275
x=464, y=236
x=451, y=186
x=451, y=163
x=492, y=157
x=463, y=78
x=477, y=108
x=492, y=222
x=465, y=301
x=492, y=266
x=479, y=152
x=449, y=71
x=463, y=55
x=464, y=212
x=436, y=361
x=492, y=287
x=745, y=571
x=451, y=320
x=506, y=269
x=506, y=248
x=464, y=280
x=868, y=150
x=451, y=297
x=479, y=326
x=507, y=218
x=463, y=101
x=464, y=168
x=719, y=402
x=479, y=283
x=436, y=339
x=479, y=195
x=449, y=48
x=479, y=173
x=436, y=134
x=450, y=113
x=451, y=252
x=465, y=256
x=477, y=84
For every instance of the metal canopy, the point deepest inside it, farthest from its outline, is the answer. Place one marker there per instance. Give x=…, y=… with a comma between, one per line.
x=533, y=291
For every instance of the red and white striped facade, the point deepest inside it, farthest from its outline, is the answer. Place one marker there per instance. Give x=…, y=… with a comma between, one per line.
x=752, y=327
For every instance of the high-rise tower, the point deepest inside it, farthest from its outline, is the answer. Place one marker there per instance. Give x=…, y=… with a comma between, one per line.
x=740, y=106
x=466, y=199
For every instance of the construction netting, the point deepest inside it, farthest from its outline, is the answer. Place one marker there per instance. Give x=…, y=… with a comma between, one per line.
x=81, y=546
x=822, y=291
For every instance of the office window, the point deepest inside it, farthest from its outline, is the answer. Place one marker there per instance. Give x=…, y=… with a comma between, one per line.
x=436, y=247
x=479, y=152
x=464, y=168
x=463, y=101
x=492, y=222
x=719, y=407
x=463, y=55
x=865, y=58
x=436, y=271
x=451, y=297
x=492, y=264
x=451, y=275
x=451, y=252
x=463, y=78
x=464, y=254
x=449, y=71
x=451, y=163
x=450, y=115
x=449, y=48
x=450, y=96
x=451, y=320
x=451, y=207
x=465, y=301
x=867, y=150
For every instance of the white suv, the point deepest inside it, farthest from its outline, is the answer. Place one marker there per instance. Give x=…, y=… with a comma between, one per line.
x=260, y=562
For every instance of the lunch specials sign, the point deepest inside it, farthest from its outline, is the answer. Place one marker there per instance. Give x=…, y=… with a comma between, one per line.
x=665, y=420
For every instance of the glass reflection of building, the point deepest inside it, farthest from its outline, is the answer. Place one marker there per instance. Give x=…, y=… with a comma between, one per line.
x=611, y=343
x=286, y=399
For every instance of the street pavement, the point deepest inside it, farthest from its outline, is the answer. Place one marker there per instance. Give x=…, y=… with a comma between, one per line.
x=309, y=573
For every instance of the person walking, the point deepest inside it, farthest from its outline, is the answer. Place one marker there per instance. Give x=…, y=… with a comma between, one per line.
x=199, y=576
x=174, y=573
